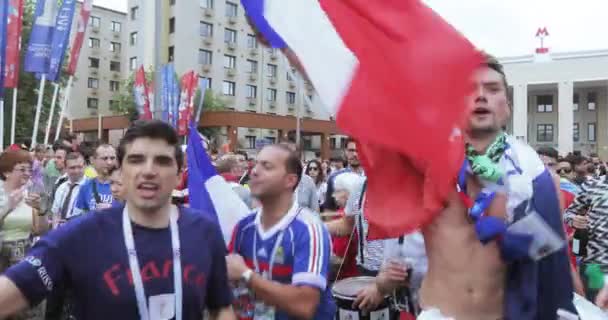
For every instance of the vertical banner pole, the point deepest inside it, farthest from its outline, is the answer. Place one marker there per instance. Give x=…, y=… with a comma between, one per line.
x=38, y=108
x=49, y=122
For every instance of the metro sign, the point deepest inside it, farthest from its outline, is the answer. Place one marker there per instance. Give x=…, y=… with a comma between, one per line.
x=542, y=33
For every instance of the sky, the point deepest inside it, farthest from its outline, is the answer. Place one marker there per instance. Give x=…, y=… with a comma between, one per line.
x=508, y=27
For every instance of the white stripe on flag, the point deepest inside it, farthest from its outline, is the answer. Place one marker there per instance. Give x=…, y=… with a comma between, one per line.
x=309, y=33
x=228, y=205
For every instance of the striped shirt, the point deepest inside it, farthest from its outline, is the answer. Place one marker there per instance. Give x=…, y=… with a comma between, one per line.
x=593, y=199
x=62, y=193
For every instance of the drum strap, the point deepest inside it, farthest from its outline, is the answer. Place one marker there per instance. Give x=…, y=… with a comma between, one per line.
x=362, y=236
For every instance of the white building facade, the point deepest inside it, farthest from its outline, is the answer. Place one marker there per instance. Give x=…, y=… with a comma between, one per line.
x=560, y=100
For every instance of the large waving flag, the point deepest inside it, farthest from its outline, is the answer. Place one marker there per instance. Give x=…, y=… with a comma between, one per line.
x=38, y=55
x=392, y=71
x=61, y=38
x=208, y=191
x=81, y=28
x=13, y=42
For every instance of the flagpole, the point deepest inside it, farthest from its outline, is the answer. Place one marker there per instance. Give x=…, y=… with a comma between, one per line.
x=14, y=115
x=99, y=129
x=64, y=105
x=49, y=122
x=2, y=124
x=157, y=63
x=38, y=108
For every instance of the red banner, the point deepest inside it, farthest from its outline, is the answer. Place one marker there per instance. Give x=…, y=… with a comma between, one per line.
x=13, y=43
x=186, y=102
x=83, y=21
x=140, y=89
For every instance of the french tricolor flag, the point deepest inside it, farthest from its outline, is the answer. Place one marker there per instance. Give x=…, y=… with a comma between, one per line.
x=396, y=76
x=208, y=191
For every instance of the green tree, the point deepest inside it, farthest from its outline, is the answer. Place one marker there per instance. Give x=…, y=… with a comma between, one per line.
x=28, y=92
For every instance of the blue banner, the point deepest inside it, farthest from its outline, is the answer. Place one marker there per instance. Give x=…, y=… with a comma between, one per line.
x=164, y=93
x=38, y=55
x=174, y=93
x=3, y=24
x=61, y=38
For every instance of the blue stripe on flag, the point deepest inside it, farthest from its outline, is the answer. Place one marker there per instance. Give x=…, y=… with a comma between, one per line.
x=255, y=12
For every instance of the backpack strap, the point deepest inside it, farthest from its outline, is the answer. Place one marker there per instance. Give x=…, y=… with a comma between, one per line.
x=95, y=192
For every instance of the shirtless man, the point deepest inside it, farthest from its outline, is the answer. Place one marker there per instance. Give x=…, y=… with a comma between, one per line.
x=469, y=280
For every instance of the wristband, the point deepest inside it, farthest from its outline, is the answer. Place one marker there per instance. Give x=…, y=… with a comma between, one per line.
x=246, y=276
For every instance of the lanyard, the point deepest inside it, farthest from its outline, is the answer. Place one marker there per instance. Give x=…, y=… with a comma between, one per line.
x=140, y=295
x=272, y=256
x=274, y=249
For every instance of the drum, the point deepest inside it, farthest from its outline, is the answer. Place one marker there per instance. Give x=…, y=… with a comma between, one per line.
x=345, y=292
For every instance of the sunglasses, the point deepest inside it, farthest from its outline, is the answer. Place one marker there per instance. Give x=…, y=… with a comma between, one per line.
x=564, y=171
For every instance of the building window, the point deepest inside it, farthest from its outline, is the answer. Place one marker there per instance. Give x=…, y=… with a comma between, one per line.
x=591, y=131
x=271, y=140
x=291, y=98
x=134, y=13
x=115, y=66
x=172, y=25
x=93, y=63
x=133, y=63
x=289, y=78
x=94, y=22
x=271, y=94
x=544, y=103
x=252, y=91
x=171, y=53
x=544, y=133
x=93, y=83
x=591, y=102
x=116, y=26
x=205, y=56
x=271, y=70
x=115, y=47
x=332, y=143
x=576, y=132
x=207, y=82
x=114, y=85
x=206, y=29
x=231, y=9
x=133, y=38
x=252, y=41
x=94, y=43
x=172, y=2
x=114, y=104
x=228, y=88
x=92, y=103
x=229, y=62
x=250, y=142
x=252, y=66
x=229, y=36
x=575, y=99
x=208, y=4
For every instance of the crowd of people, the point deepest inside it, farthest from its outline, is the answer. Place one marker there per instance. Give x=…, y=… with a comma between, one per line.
x=108, y=232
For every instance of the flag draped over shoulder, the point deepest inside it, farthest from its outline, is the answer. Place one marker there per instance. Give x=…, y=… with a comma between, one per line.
x=208, y=191
x=397, y=77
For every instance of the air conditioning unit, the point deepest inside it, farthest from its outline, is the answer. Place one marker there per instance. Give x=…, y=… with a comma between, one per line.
x=94, y=72
x=95, y=30
x=231, y=72
x=252, y=101
x=292, y=85
x=273, y=80
x=253, y=52
x=251, y=130
x=273, y=56
x=272, y=105
x=208, y=12
x=207, y=41
x=93, y=112
x=116, y=35
x=253, y=77
x=206, y=68
x=232, y=20
x=93, y=92
x=116, y=75
x=231, y=46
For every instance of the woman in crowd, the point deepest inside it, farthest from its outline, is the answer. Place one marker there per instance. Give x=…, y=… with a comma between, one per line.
x=344, y=262
x=313, y=170
x=20, y=205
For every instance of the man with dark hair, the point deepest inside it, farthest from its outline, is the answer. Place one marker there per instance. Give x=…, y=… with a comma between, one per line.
x=96, y=193
x=549, y=157
x=146, y=260
x=63, y=204
x=281, y=252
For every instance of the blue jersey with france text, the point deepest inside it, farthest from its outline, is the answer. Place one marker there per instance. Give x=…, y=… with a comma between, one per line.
x=301, y=258
x=88, y=256
x=86, y=201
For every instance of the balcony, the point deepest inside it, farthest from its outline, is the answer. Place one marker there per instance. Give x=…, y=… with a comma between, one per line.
x=206, y=68
x=115, y=75
x=252, y=101
x=95, y=30
x=253, y=77
x=207, y=12
x=94, y=92
x=272, y=80
x=207, y=41
x=272, y=105
x=253, y=52
x=116, y=56
x=232, y=20
x=292, y=84
x=116, y=35
x=231, y=46
x=230, y=72
x=291, y=110
x=93, y=71
x=273, y=55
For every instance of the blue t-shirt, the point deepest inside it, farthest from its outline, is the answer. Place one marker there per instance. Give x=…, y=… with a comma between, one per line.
x=86, y=201
x=301, y=258
x=88, y=255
